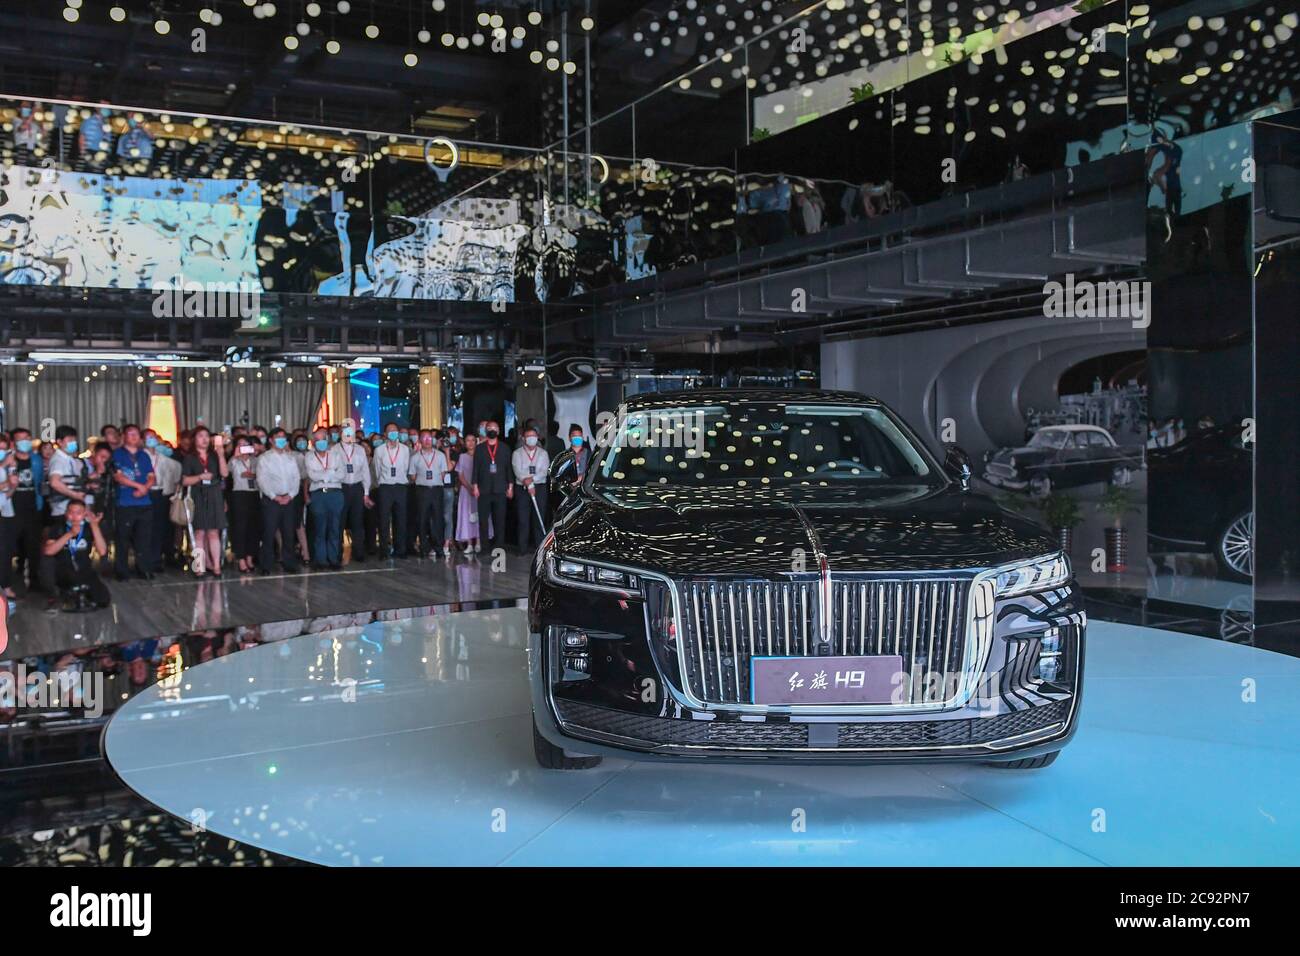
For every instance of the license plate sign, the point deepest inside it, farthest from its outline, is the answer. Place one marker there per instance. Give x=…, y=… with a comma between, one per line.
x=825, y=680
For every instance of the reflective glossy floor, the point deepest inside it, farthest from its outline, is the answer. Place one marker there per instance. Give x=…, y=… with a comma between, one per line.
x=408, y=742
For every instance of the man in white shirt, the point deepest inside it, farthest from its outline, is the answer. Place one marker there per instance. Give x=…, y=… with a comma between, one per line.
x=428, y=465
x=354, y=467
x=278, y=479
x=167, y=471
x=67, y=474
x=529, y=462
x=325, y=502
x=392, y=470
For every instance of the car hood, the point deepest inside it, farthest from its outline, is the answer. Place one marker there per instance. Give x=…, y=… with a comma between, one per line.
x=1023, y=455
x=688, y=531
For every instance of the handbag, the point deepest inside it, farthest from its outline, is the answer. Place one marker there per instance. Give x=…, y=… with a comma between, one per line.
x=181, y=510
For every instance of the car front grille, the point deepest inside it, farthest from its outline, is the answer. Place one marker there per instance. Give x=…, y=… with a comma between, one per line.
x=866, y=735
x=1001, y=469
x=723, y=624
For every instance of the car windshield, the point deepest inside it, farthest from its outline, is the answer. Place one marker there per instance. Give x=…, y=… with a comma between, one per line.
x=753, y=445
x=1049, y=438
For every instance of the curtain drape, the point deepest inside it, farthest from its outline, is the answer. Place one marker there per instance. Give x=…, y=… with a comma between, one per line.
x=62, y=396
x=222, y=399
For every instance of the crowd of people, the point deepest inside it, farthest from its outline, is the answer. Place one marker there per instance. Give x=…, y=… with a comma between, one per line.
x=261, y=499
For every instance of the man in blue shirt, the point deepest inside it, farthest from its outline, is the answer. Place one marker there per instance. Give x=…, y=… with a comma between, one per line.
x=134, y=474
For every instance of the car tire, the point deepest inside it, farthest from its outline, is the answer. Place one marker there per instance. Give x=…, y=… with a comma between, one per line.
x=1028, y=763
x=552, y=757
x=1040, y=486
x=1121, y=475
x=1238, y=533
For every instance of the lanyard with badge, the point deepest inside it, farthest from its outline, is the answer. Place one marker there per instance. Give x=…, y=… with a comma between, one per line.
x=324, y=462
x=532, y=457
x=347, y=455
x=392, y=461
x=428, y=466
x=492, y=460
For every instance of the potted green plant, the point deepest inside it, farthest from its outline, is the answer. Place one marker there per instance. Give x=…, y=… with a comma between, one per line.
x=1116, y=501
x=1062, y=514
x=858, y=94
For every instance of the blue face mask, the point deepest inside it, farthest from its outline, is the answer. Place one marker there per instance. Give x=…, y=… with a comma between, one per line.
x=281, y=442
x=71, y=447
x=349, y=433
x=576, y=440
x=322, y=444
x=23, y=445
x=377, y=442
x=300, y=444
x=334, y=438
x=151, y=442
x=167, y=452
x=392, y=436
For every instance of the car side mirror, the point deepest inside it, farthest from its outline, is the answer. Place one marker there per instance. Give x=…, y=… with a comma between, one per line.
x=556, y=485
x=957, y=464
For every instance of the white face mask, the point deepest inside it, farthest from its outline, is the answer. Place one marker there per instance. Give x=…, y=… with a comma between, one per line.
x=530, y=441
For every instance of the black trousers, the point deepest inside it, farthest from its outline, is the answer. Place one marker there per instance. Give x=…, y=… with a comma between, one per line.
x=245, y=524
x=390, y=502
x=29, y=526
x=529, y=527
x=281, y=518
x=162, y=536
x=354, y=519
x=134, y=530
x=428, y=517
x=68, y=573
x=492, y=504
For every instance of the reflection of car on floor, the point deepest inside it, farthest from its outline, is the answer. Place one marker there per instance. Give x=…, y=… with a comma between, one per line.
x=1063, y=456
x=761, y=573
x=1202, y=498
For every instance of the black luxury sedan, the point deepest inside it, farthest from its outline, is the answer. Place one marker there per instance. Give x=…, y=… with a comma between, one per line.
x=791, y=575
x=1206, y=500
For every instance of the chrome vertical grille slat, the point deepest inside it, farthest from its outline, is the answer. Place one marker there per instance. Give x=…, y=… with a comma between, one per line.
x=923, y=620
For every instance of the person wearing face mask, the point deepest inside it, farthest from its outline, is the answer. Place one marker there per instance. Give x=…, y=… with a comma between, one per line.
x=492, y=487
x=301, y=444
x=325, y=500
x=29, y=505
x=133, y=523
x=278, y=480
x=530, y=463
x=392, y=464
x=245, y=505
x=449, y=483
x=162, y=542
x=571, y=464
x=427, y=470
x=354, y=466
x=68, y=475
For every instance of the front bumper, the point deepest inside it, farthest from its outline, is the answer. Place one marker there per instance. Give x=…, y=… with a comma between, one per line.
x=604, y=714
x=1003, y=481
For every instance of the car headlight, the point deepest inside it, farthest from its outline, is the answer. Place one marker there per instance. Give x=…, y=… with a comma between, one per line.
x=597, y=577
x=1041, y=574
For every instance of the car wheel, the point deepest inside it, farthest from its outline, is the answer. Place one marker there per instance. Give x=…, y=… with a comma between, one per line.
x=1234, y=548
x=1040, y=486
x=554, y=758
x=1028, y=763
x=1121, y=475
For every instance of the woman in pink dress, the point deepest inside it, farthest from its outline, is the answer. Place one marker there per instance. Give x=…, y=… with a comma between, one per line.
x=466, y=511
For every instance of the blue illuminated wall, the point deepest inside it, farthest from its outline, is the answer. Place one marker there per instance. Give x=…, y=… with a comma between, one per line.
x=365, y=399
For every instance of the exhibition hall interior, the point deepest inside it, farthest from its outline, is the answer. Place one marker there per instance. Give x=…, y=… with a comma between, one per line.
x=686, y=432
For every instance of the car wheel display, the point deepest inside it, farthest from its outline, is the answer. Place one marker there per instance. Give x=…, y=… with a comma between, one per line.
x=554, y=758
x=1121, y=475
x=1028, y=763
x=1234, y=548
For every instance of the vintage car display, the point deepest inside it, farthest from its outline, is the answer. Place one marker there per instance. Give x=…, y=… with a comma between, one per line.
x=763, y=574
x=1206, y=499
x=1063, y=456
